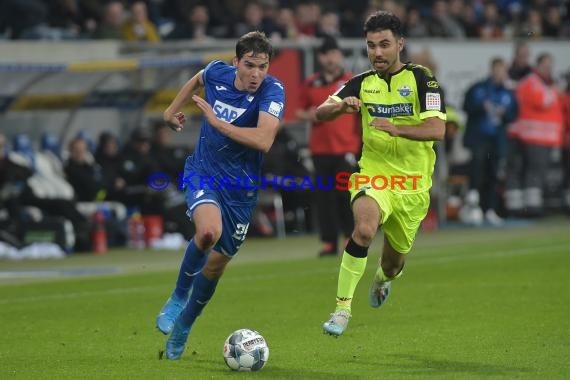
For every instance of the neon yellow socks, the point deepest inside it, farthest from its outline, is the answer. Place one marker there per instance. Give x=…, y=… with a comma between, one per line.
x=351, y=271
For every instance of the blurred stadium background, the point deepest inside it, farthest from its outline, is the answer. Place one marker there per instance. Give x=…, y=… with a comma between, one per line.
x=71, y=70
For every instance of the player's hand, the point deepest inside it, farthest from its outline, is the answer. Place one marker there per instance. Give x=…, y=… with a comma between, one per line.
x=350, y=104
x=384, y=125
x=206, y=109
x=176, y=121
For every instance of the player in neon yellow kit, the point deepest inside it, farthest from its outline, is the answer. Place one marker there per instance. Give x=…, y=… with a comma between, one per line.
x=403, y=113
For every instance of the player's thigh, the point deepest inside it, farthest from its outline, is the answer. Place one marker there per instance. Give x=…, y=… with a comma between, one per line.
x=376, y=205
x=235, y=224
x=404, y=222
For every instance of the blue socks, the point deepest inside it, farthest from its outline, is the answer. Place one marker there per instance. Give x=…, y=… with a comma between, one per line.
x=202, y=291
x=192, y=263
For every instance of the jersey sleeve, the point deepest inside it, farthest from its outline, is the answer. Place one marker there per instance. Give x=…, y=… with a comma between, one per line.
x=211, y=69
x=273, y=99
x=350, y=88
x=430, y=94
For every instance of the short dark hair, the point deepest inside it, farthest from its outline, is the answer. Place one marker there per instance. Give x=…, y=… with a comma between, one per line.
x=329, y=43
x=497, y=61
x=255, y=42
x=383, y=20
x=541, y=57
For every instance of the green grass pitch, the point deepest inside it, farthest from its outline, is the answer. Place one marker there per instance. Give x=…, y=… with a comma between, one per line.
x=472, y=304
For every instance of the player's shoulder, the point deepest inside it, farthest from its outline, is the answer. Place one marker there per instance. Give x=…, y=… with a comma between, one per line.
x=363, y=75
x=358, y=79
x=218, y=67
x=419, y=70
x=272, y=85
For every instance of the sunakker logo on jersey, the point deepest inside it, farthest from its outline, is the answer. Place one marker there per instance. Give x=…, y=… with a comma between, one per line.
x=390, y=110
x=226, y=112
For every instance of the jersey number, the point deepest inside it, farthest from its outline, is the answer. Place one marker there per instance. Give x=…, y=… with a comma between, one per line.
x=241, y=231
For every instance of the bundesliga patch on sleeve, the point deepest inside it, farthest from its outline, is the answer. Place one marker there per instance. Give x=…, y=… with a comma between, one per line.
x=275, y=108
x=433, y=101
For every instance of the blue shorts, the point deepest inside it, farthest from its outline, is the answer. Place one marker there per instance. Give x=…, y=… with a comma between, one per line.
x=235, y=219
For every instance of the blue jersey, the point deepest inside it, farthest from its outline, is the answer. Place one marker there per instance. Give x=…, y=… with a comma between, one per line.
x=235, y=168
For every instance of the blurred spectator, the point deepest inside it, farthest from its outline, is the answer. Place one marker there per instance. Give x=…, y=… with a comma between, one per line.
x=84, y=134
x=532, y=25
x=286, y=24
x=108, y=157
x=415, y=26
x=457, y=159
x=112, y=24
x=196, y=25
x=490, y=107
x=491, y=26
x=169, y=159
x=65, y=15
x=46, y=191
x=552, y=22
x=328, y=25
x=334, y=145
x=48, y=179
x=520, y=67
x=13, y=176
x=83, y=173
x=136, y=169
x=457, y=156
x=441, y=24
x=307, y=17
x=253, y=19
x=533, y=136
x=19, y=18
x=139, y=27
x=469, y=21
x=66, y=19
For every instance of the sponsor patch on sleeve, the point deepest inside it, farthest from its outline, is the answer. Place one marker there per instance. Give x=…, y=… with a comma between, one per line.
x=433, y=101
x=275, y=109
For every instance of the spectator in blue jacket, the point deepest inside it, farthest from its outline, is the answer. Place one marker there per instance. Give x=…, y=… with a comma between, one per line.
x=490, y=107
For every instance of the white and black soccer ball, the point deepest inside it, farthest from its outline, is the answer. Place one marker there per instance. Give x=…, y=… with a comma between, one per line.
x=246, y=350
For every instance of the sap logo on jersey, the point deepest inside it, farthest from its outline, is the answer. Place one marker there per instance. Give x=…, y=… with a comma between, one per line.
x=226, y=112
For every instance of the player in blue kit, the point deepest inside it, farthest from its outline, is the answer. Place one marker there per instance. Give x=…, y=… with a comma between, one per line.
x=242, y=110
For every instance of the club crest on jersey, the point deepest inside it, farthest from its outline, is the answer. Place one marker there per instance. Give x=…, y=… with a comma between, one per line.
x=226, y=112
x=405, y=90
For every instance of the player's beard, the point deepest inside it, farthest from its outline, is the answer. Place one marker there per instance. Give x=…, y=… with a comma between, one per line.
x=383, y=66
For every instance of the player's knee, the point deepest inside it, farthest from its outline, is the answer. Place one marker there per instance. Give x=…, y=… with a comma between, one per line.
x=365, y=232
x=206, y=238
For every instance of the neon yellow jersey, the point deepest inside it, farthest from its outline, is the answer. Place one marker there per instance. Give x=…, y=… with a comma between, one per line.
x=405, y=98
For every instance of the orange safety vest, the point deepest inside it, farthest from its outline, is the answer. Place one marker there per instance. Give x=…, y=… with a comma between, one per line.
x=540, y=118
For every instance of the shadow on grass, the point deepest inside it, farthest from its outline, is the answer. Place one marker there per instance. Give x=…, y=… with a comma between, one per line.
x=414, y=364
x=216, y=370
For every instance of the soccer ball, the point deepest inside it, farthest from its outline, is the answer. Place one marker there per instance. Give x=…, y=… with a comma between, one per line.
x=246, y=350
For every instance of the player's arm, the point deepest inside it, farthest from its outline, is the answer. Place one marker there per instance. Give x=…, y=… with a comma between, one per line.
x=431, y=129
x=333, y=107
x=173, y=118
x=345, y=100
x=260, y=137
